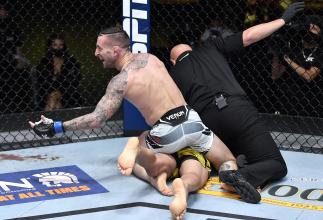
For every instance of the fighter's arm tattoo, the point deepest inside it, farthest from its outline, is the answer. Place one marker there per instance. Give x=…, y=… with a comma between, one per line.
x=226, y=166
x=106, y=107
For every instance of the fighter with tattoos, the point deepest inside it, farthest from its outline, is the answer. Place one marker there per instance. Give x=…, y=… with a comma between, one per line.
x=144, y=81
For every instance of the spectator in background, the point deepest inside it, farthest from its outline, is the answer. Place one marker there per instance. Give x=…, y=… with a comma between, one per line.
x=305, y=55
x=307, y=59
x=58, y=76
x=14, y=73
x=298, y=68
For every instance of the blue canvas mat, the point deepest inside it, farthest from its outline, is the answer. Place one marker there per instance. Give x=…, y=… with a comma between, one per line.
x=81, y=181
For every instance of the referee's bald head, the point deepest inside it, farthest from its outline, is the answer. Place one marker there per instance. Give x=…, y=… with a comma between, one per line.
x=177, y=50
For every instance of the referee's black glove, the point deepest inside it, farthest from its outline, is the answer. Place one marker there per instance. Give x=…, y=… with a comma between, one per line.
x=292, y=10
x=46, y=127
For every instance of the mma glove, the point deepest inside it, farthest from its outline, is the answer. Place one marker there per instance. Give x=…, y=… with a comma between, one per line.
x=48, y=128
x=292, y=10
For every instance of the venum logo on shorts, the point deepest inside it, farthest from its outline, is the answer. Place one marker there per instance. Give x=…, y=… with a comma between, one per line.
x=136, y=23
x=45, y=184
x=176, y=115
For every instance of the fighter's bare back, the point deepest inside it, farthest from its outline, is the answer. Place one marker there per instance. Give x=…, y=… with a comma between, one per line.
x=150, y=87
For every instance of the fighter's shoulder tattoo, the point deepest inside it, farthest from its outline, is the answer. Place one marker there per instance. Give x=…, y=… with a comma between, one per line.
x=140, y=61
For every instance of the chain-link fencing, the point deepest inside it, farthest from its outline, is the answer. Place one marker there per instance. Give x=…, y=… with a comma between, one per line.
x=48, y=64
x=291, y=99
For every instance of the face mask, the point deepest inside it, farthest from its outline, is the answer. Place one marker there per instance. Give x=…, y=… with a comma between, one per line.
x=57, y=52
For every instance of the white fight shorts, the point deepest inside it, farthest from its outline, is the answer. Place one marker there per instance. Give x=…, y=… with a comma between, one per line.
x=179, y=128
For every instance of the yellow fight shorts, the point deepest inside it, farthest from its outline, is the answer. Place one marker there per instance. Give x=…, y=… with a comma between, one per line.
x=188, y=153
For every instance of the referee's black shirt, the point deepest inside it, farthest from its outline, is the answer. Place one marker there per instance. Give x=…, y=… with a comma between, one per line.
x=203, y=73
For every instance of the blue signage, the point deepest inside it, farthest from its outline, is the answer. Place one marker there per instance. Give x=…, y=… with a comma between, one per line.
x=136, y=22
x=45, y=184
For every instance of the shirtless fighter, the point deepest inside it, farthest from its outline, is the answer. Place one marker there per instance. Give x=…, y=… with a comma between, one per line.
x=144, y=81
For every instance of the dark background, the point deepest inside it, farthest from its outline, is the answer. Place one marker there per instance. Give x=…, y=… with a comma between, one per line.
x=172, y=22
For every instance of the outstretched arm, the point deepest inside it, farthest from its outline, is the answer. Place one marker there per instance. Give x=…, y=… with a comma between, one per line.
x=105, y=109
x=261, y=31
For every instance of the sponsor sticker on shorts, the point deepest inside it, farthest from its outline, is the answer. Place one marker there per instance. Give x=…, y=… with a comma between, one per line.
x=46, y=184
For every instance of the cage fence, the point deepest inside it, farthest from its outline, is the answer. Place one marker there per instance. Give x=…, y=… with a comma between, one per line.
x=48, y=64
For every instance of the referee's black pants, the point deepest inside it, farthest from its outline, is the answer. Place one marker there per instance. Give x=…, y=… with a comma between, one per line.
x=243, y=130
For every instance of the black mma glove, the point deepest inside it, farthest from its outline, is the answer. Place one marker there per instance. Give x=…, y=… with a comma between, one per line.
x=292, y=10
x=48, y=128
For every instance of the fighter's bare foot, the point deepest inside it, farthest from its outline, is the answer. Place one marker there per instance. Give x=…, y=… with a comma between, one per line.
x=160, y=184
x=127, y=159
x=179, y=204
